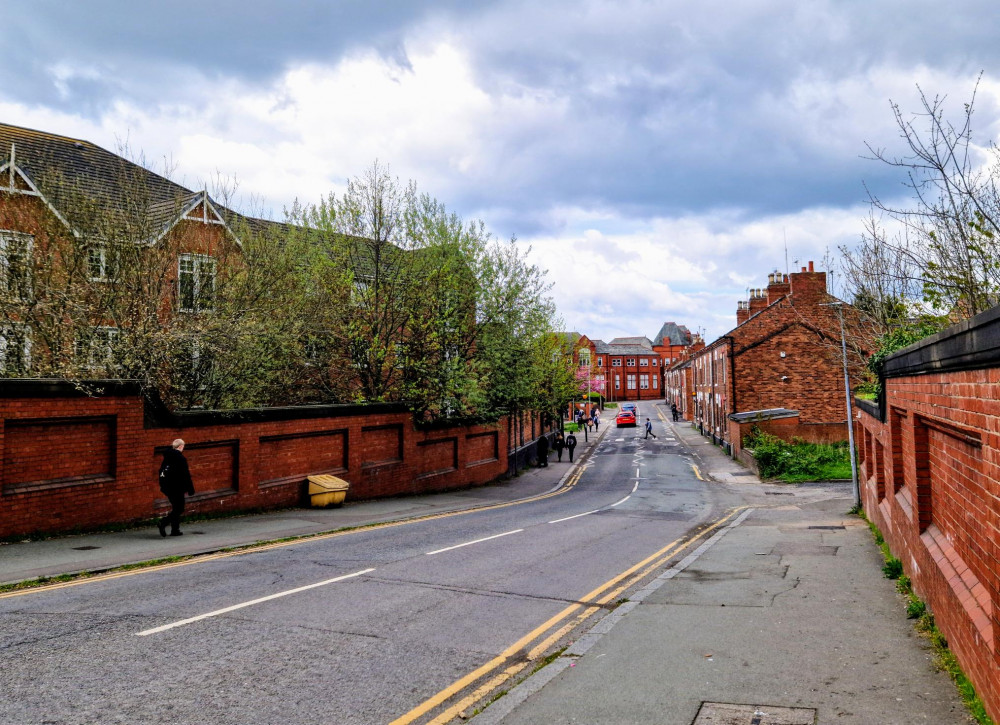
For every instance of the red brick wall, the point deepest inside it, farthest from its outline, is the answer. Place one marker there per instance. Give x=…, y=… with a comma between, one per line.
x=930, y=480
x=73, y=462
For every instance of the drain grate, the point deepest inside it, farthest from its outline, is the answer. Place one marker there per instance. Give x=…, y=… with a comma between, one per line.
x=721, y=713
x=778, y=493
x=742, y=473
x=85, y=548
x=828, y=528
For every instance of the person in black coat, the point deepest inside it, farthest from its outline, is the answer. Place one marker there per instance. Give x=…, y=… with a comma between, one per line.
x=175, y=482
x=559, y=444
x=543, y=451
x=570, y=445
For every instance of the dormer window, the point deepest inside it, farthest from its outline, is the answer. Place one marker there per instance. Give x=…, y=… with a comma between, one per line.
x=196, y=281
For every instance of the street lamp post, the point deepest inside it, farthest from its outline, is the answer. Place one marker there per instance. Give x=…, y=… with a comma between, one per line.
x=850, y=407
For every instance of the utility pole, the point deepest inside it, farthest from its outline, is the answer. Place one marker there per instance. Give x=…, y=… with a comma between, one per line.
x=850, y=407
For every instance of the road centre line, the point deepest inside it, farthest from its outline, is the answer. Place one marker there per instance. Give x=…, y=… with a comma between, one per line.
x=225, y=610
x=575, y=516
x=589, y=602
x=477, y=541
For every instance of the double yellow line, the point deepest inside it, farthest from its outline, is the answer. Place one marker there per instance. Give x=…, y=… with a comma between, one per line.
x=521, y=653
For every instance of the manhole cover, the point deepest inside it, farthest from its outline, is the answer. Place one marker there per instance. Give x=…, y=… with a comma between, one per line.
x=85, y=548
x=719, y=713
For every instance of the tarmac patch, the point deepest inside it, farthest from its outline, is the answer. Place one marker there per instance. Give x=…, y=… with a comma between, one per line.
x=720, y=713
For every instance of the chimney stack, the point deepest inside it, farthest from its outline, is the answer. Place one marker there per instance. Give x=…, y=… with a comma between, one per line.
x=777, y=287
x=742, y=312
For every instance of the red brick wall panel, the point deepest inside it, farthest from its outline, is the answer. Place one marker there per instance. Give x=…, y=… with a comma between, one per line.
x=235, y=466
x=941, y=511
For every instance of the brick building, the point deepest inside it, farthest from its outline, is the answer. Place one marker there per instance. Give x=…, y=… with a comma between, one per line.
x=64, y=200
x=784, y=353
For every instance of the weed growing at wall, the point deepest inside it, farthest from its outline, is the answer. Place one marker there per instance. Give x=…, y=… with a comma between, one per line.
x=797, y=461
x=916, y=609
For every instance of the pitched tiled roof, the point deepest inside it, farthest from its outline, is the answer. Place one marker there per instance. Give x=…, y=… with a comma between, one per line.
x=601, y=347
x=672, y=334
x=634, y=341
x=83, y=181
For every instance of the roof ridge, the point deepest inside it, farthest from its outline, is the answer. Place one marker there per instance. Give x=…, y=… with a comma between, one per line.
x=49, y=134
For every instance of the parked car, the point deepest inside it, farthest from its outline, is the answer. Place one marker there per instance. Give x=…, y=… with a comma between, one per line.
x=625, y=418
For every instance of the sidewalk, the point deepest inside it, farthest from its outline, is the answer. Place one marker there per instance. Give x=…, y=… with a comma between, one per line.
x=102, y=551
x=781, y=618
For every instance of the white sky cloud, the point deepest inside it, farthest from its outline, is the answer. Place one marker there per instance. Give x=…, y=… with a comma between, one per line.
x=656, y=157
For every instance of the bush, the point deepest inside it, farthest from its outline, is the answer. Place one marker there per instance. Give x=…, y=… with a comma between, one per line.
x=797, y=461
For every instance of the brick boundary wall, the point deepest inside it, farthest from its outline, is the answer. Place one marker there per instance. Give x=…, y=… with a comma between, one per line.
x=72, y=461
x=929, y=470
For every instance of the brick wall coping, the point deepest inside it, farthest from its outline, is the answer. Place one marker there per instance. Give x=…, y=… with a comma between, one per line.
x=157, y=415
x=871, y=407
x=969, y=345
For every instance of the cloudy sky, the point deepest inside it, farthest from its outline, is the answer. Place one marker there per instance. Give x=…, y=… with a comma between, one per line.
x=657, y=157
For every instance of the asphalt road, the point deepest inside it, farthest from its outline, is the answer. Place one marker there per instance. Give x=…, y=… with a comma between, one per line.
x=401, y=623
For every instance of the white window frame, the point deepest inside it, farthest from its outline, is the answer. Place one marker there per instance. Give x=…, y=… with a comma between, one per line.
x=600, y=361
x=618, y=382
x=6, y=330
x=197, y=261
x=616, y=362
x=644, y=362
x=630, y=362
x=98, y=352
x=655, y=382
x=103, y=267
x=7, y=237
x=630, y=381
x=644, y=381
x=584, y=357
x=653, y=362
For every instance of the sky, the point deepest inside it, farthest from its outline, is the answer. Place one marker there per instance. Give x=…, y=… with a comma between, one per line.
x=657, y=158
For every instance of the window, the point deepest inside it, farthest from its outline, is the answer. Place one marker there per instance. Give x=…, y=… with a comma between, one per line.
x=99, y=264
x=643, y=362
x=644, y=382
x=584, y=358
x=15, y=264
x=616, y=362
x=600, y=361
x=630, y=362
x=653, y=362
x=15, y=348
x=95, y=348
x=618, y=382
x=655, y=382
x=630, y=382
x=196, y=277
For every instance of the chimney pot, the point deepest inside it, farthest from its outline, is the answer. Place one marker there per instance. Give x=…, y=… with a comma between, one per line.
x=810, y=266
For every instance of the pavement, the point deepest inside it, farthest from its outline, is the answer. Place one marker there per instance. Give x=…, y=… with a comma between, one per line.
x=782, y=617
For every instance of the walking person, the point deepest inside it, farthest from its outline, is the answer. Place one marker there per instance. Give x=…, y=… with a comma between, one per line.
x=543, y=451
x=597, y=419
x=570, y=445
x=559, y=444
x=673, y=411
x=649, y=429
x=175, y=482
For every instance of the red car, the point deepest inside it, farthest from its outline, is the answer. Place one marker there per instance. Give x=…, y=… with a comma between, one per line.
x=625, y=418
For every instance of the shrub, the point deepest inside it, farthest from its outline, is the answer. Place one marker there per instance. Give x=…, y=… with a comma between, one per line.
x=798, y=460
